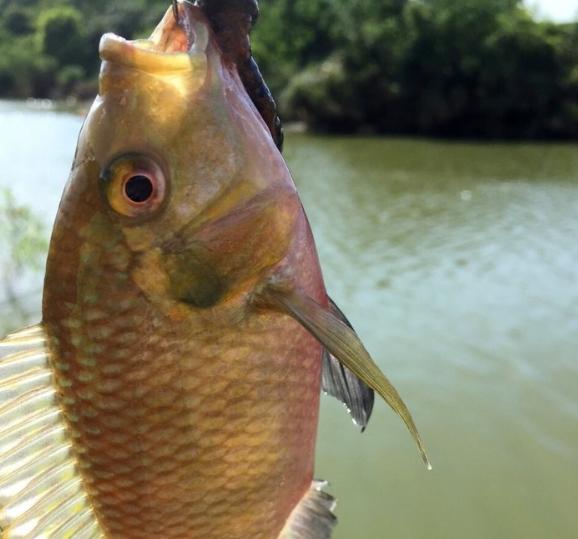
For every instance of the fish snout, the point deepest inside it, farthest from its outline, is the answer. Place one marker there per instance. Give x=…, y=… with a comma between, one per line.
x=178, y=42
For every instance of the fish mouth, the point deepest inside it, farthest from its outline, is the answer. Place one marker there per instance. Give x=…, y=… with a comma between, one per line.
x=174, y=45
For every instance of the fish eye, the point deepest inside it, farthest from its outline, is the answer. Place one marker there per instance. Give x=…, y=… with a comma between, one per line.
x=135, y=186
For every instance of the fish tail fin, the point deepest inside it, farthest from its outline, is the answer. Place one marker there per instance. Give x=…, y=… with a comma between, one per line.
x=313, y=516
x=41, y=493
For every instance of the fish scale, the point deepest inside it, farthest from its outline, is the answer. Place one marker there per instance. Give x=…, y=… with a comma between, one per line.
x=177, y=424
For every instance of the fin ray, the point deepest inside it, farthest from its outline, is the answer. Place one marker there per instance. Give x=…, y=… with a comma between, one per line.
x=28, y=431
x=87, y=530
x=313, y=516
x=30, y=468
x=64, y=513
x=53, y=497
x=342, y=342
x=14, y=386
x=21, y=362
x=33, y=335
x=44, y=482
x=339, y=382
x=41, y=491
x=81, y=521
x=18, y=409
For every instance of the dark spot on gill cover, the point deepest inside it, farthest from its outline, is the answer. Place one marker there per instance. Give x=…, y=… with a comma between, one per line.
x=232, y=21
x=193, y=279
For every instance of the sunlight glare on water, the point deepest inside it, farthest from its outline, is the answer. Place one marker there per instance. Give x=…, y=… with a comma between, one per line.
x=457, y=264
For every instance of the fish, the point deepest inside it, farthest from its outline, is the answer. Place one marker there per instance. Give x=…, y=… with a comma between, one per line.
x=172, y=387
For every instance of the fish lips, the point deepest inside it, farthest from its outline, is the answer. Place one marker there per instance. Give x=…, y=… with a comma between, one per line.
x=173, y=46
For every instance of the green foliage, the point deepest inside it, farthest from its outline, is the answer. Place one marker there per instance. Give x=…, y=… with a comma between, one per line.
x=59, y=35
x=22, y=236
x=291, y=34
x=322, y=97
x=475, y=68
x=49, y=48
x=69, y=76
x=17, y=20
x=25, y=74
x=488, y=71
x=24, y=246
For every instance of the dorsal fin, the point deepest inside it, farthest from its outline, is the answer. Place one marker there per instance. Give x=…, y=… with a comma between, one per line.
x=339, y=382
x=41, y=493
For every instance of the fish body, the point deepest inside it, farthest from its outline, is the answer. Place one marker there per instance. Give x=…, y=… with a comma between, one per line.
x=193, y=408
x=185, y=319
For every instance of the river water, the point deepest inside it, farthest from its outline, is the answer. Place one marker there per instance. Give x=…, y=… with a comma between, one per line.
x=458, y=265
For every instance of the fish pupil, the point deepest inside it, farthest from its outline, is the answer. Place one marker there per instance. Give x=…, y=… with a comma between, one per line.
x=138, y=188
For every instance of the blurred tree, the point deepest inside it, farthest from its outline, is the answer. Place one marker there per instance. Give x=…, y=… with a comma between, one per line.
x=485, y=68
x=25, y=74
x=68, y=77
x=358, y=85
x=60, y=35
x=476, y=68
x=18, y=20
x=443, y=59
x=290, y=35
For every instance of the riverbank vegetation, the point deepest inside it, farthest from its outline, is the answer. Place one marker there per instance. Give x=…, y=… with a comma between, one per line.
x=24, y=245
x=473, y=68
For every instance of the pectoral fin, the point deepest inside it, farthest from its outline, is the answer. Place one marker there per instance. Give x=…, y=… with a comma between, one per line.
x=342, y=342
x=339, y=382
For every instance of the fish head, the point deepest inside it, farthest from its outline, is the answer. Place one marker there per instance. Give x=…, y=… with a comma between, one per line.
x=175, y=163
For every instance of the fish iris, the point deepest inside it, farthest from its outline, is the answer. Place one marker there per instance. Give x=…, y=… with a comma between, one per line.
x=134, y=185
